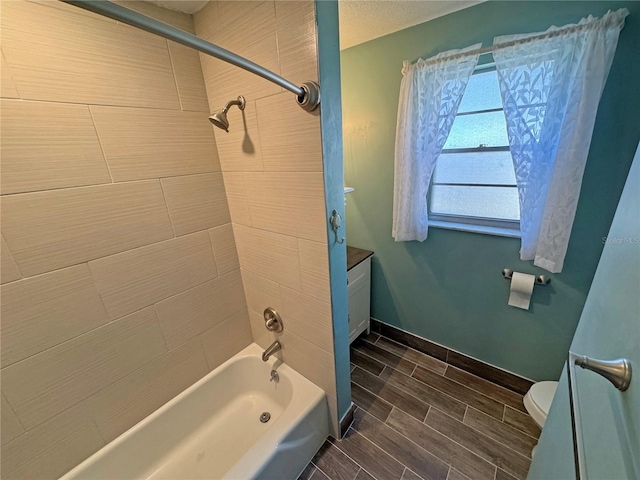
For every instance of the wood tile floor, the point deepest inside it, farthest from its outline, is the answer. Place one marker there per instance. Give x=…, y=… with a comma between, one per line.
x=419, y=418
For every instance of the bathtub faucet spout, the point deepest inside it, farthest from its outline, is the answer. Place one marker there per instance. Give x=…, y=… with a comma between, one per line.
x=273, y=348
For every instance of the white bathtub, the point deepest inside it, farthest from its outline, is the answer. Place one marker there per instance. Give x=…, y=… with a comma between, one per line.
x=212, y=430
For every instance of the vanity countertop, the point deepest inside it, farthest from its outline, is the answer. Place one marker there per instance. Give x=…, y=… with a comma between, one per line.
x=356, y=256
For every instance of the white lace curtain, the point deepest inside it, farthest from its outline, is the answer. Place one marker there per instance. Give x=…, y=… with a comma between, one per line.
x=551, y=85
x=430, y=94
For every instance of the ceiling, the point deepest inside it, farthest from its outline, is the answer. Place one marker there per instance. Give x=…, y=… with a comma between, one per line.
x=186, y=6
x=364, y=20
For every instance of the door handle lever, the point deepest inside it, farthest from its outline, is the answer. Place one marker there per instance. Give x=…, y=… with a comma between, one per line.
x=618, y=371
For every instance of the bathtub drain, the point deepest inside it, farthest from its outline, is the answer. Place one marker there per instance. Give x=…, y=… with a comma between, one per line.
x=265, y=417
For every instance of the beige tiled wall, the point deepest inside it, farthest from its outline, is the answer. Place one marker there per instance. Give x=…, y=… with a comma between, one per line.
x=273, y=173
x=118, y=253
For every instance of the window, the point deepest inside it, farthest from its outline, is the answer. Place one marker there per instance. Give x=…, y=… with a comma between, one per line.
x=474, y=182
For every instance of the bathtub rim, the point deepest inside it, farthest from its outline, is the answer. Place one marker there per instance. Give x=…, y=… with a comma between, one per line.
x=302, y=402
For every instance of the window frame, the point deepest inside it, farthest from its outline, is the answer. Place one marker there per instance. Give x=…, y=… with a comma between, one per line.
x=486, y=225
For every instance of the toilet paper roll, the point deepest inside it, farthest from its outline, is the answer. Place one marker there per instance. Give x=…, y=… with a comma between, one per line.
x=521, y=290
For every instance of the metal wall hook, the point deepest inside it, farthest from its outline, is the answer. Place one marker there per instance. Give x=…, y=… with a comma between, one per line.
x=336, y=222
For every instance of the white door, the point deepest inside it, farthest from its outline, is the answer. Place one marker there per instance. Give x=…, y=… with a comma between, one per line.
x=609, y=328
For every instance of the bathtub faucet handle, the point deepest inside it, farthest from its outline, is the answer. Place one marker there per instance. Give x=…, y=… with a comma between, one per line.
x=272, y=320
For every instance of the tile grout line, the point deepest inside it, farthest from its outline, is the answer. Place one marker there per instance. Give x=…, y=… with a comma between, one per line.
x=78, y=336
x=336, y=445
x=315, y=467
x=173, y=228
x=449, y=472
x=384, y=363
x=429, y=409
x=445, y=413
x=466, y=409
x=318, y=468
x=497, y=441
x=429, y=386
x=95, y=286
x=364, y=339
x=175, y=78
x=425, y=415
x=432, y=343
x=374, y=359
x=110, y=105
x=109, y=320
x=430, y=357
x=369, y=473
x=84, y=399
x=10, y=75
x=379, y=398
x=13, y=259
x=374, y=444
x=379, y=448
x=12, y=409
x=481, y=432
x=410, y=348
x=461, y=384
x=438, y=432
x=401, y=390
x=273, y=231
x=213, y=252
x=120, y=182
x=506, y=390
x=449, y=350
x=93, y=420
x=104, y=155
x=164, y=335
x=516, y=428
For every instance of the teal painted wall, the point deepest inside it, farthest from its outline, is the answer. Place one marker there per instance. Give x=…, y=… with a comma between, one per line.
x=449, y=288
x=331, y=124
x=609, y=328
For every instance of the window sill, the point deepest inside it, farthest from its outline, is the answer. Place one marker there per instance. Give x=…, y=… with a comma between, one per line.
x=484, y=229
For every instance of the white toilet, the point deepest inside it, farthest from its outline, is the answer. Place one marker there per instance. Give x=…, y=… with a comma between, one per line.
x=538, y=400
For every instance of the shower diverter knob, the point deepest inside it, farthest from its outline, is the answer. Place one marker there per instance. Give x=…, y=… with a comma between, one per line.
x=272, y=320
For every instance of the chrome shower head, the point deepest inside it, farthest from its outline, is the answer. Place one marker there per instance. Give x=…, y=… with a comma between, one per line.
x=219, y=119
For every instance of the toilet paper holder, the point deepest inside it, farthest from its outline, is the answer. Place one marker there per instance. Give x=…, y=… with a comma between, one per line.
x=540, y=279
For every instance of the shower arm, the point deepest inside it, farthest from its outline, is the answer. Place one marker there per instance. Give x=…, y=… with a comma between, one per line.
x=230, y=103
x=307, y=94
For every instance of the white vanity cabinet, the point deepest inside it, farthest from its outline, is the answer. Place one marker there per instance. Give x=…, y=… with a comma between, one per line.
x=359, y=290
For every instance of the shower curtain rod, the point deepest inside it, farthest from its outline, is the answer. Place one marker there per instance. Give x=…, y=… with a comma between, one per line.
x=307, y=94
